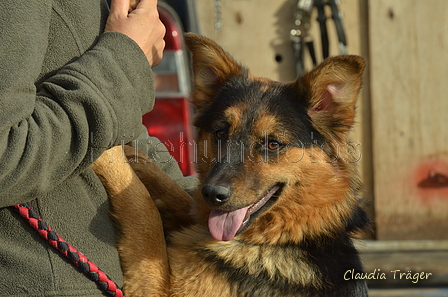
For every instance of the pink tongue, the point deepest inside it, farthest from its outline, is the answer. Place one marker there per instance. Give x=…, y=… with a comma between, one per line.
x=224, y=225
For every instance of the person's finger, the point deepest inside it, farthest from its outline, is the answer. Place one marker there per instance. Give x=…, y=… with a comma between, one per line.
x=119, y=7
x=157, y=54
x=147, y=3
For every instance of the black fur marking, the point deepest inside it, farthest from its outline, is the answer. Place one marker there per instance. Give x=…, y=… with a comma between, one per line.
x=359, y=221
x=334, y=259
x=283, y=100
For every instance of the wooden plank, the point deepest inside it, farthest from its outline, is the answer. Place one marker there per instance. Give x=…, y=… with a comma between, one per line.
x=405, y=245
x=409, y=292
x=396, y=258
x=408, y=46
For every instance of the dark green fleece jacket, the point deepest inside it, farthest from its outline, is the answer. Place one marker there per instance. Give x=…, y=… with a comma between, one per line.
x=67, y=93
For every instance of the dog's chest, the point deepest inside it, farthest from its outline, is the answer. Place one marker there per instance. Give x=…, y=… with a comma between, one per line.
x=259, y=270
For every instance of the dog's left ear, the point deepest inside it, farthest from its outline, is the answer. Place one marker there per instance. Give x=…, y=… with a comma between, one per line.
x=212, y=67
x=333, y=88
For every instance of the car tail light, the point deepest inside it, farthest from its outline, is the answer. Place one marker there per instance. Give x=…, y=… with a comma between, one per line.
x=170, y=119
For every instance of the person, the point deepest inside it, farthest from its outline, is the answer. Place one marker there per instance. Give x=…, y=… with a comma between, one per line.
x=75, y=79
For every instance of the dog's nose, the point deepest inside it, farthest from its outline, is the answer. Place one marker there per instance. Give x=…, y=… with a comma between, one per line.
x=216, y=195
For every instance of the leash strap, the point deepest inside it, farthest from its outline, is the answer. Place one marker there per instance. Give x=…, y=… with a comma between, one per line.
x=80, y=261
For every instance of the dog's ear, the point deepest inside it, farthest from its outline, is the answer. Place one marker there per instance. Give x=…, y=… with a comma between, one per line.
x=212, y=67
x=333, y=88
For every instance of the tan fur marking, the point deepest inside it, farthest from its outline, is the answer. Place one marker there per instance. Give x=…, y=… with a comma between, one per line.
x=268, y=125
x=234, y=114
x=140, y=265
x=336, y=82
x=212, y=66
x=191, y=275
x=175, y=212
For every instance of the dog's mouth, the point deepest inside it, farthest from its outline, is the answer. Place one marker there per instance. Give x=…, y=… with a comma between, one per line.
x=224, y=225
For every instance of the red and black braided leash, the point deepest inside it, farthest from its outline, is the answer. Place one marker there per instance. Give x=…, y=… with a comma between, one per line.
x=80, y=261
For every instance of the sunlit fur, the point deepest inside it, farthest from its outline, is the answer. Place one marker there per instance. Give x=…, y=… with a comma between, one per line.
x=254, y=134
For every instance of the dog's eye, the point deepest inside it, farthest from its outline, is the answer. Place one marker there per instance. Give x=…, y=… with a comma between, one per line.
x=273, y=145
x=220, y=134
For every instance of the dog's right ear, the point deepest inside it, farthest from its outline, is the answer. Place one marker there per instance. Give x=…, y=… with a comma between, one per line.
x=212, y=67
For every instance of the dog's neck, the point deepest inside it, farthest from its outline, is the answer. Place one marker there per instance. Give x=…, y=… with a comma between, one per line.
x=271, y=262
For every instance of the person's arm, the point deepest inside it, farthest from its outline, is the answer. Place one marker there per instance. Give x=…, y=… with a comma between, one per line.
x=59, y=127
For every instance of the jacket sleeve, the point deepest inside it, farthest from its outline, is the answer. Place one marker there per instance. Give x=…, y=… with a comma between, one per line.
x=51, y=130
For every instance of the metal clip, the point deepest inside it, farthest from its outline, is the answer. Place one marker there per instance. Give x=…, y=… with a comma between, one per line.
x=300, y=35
x=337, y=16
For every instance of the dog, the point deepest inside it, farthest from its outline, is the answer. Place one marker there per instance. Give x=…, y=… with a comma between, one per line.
x=278, y=199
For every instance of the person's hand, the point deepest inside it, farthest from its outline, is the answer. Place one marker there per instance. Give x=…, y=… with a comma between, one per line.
x=142, y=24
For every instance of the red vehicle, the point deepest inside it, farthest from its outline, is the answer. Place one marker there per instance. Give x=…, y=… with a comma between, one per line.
x=170, y=120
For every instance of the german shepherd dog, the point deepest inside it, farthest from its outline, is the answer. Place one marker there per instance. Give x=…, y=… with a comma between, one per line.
x=278, y=197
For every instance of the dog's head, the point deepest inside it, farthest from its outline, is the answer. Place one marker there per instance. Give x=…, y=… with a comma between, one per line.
x=273, y=157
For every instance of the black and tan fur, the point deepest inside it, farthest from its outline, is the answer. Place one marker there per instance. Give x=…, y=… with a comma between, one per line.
x=255, y=136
